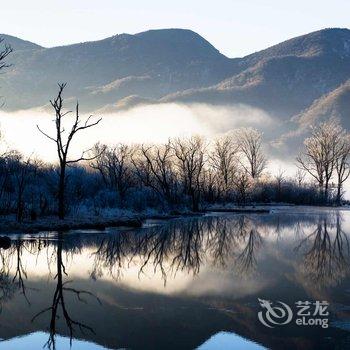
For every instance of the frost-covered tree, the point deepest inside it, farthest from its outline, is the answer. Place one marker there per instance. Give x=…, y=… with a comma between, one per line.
x=242, y=186
x=250, y=144
x=321, y=151
x=224, y=160
x=155, y=167
x=115, y=166
x=190, y=159
x=342, y=165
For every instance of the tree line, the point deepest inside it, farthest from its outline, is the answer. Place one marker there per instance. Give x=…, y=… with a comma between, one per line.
x=181, y=174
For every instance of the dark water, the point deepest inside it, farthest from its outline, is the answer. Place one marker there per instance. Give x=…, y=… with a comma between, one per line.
x=184, y=284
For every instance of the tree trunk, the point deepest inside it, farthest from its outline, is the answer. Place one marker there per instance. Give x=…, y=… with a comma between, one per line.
x=195, y=205
x=326, y=192
x=195, y=200
x=19, y=211
x=339, y=194
x=61, y=189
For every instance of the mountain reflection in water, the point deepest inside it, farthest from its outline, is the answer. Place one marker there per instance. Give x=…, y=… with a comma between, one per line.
x=175, y=285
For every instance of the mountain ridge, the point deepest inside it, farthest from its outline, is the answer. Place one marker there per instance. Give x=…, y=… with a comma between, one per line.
x=274, y=47
x=173, y=59
x=175, y=65
x=18, y=43
x=280, y=82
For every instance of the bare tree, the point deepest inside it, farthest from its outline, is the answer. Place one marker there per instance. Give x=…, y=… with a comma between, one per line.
x=242, y=185
x=4, y=52
x=280, y=179
x=23, y=171
x=63, y=144
x=99, y=161
x=250, y=143
x=224, y=159
x=115, y=166
x=155, y=168
x=190, y=155
x=321, y=152
x=342, y=166
x=300, y=177
x=211, y=185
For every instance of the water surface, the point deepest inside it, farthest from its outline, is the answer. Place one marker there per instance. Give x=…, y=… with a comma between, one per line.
x=182, y=284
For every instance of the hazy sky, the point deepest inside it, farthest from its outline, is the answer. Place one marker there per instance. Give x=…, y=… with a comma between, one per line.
x=235, y=27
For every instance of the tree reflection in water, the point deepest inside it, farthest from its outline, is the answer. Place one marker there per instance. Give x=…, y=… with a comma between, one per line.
x=13, y=256
x=183, y=245
x=7, y=288
x=326, y=252
x=234, y=242
x=246, y=261
x=59, y=301
x=230, y=243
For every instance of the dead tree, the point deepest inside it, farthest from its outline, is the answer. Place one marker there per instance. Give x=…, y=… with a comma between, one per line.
x=63, y=143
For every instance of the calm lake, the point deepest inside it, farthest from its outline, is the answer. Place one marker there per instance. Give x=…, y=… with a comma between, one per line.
x=182, y=284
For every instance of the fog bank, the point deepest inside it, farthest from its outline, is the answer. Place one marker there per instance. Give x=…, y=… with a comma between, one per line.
x=142, y=124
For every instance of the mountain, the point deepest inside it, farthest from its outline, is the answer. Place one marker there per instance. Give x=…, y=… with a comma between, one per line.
x=19, y=44
x=150, y=64
x=283, y=79
x=334, y=104
x=296, y=82
x=332, y=41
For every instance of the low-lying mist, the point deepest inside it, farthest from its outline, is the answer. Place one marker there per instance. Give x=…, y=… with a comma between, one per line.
x=142, y=124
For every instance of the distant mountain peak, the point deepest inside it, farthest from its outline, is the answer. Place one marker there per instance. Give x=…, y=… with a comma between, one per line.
x=172, y=33
x=321, y=42
x=19, y=44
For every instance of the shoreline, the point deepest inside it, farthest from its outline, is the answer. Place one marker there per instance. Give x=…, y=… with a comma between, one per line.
x=54, y=224
x=8, y=225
